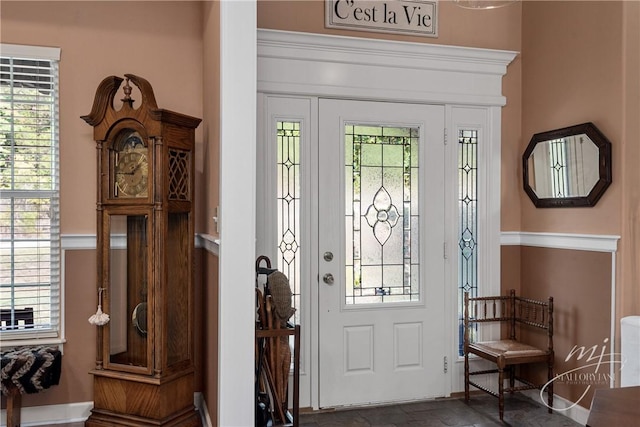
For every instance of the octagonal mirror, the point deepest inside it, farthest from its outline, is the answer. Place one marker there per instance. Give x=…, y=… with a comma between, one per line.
x=567, y=167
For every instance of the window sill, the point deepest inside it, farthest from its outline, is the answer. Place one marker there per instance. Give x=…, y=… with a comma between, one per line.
x=8, y=344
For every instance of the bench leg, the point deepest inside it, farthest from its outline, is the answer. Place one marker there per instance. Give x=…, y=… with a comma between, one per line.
x=14, y=402
x=550, y=387
x=466, y=377
x=501, y=392
x=512, y=378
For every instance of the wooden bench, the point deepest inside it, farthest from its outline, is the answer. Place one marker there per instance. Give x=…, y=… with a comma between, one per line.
x=43, y=362
x=506, y=354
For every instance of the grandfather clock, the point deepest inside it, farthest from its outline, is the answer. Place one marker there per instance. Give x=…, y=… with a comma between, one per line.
x=144, y=374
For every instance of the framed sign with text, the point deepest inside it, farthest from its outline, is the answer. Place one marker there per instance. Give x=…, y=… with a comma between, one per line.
x=411, y=17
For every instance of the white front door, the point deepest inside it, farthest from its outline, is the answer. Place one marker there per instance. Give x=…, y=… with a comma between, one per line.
x=382, y=327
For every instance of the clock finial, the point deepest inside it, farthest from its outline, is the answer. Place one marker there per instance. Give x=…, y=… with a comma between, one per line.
x=127, y=93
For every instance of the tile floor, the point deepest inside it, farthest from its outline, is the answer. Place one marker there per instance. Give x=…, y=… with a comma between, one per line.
x=482, y=411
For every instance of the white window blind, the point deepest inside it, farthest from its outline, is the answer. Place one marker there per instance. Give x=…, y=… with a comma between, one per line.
x=29, y=193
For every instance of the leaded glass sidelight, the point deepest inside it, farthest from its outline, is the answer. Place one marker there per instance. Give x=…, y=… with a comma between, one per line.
x=381, y=218
x=467, y=222
x=288, y=206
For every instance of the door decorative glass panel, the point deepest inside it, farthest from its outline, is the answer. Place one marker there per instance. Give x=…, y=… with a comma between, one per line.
x=381, y=171
x=468, y=221
x=288, y=197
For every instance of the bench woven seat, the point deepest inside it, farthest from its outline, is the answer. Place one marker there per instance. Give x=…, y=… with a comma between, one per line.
x=507, y=348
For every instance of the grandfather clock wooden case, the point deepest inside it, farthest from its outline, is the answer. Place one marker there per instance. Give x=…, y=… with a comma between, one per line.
x=144, y=374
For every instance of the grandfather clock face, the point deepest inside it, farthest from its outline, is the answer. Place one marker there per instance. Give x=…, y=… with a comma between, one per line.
x=130, y=166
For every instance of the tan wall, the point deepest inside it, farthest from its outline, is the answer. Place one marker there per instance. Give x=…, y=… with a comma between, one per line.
x=76, y=384
x=209, y=198
x=571, y=74
x=581, y=62
x=629, y=278
x=160, y=41
x=580, y=283
x=495, y=29
x=210, y=333
x=210, y=192
x=510, y=258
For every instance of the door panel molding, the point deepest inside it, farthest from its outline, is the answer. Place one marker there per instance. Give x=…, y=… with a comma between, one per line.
x=393, y=342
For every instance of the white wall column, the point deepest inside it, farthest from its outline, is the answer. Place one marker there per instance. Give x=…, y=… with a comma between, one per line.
x=237, y=212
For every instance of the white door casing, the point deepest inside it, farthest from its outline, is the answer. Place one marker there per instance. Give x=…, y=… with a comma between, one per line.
x=308, y=66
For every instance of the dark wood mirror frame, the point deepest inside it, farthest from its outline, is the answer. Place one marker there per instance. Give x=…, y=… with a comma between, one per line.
x=604, y=166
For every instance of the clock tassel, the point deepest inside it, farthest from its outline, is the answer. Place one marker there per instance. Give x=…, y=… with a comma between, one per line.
x=99, y=318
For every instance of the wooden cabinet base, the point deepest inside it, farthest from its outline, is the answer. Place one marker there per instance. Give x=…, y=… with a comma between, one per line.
x=101, y=418
x=124, y=400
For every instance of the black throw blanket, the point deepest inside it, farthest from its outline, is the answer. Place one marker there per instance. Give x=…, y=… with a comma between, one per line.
x=30, y=369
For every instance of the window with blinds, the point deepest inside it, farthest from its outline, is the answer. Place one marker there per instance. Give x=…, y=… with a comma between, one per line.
x=29, y=193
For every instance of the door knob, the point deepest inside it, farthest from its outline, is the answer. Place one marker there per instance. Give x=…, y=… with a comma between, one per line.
x=328, y=279
x=328, y=256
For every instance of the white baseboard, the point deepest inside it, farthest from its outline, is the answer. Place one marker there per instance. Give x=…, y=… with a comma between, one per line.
x=52, y=414
x=201, y=405
x=80, y=411
x=576, y=412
